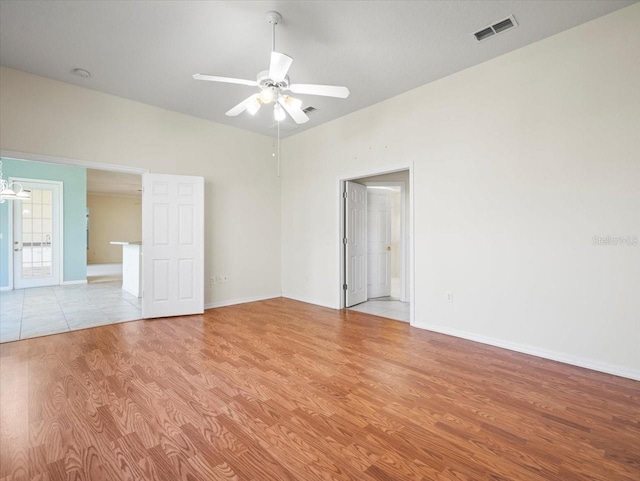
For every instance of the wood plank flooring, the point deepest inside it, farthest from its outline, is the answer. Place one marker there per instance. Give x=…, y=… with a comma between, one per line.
x=282, y=390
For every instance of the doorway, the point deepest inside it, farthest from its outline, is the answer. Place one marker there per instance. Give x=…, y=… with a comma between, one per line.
x=175, y=252
x=386, y=246
x=376, y=240
x=114, y=222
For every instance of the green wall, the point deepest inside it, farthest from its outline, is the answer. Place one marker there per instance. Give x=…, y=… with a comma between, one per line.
x=74, y=181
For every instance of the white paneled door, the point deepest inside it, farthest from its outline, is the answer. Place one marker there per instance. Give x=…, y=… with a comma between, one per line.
x=356, y=244
x=378, y=243
x=37, y=236
x=172, y=245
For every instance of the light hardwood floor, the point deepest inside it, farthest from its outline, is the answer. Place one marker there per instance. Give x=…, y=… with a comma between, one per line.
x=282, y=390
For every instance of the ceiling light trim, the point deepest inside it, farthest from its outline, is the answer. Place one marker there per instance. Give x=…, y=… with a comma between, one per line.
x=82, y=73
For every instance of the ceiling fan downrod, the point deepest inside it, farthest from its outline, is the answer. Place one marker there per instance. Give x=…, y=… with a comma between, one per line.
x=274, y=18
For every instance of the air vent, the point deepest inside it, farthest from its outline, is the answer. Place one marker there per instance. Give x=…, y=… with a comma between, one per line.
x=309, y=109
x=498, y=27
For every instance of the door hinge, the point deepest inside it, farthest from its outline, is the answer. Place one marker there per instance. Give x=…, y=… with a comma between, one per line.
x=344, y=194
x=345, y=241
x=344, y=287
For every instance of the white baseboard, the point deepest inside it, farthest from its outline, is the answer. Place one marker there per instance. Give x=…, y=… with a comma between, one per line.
x=535, y=351
x=64, y=283
x=310, y=301
x=244, y=300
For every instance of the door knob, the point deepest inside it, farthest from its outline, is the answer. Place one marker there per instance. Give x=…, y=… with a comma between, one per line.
x=388, y=248
x=17, y=249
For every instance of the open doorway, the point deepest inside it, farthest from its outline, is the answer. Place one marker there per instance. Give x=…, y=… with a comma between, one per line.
x=376, y=245
x=114, y=222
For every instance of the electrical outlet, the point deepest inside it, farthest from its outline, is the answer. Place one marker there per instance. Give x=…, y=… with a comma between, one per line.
x=449, y=296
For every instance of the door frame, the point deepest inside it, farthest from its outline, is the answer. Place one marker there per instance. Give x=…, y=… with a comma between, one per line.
x=10, y=230
x=8, y=154
x=340, y=186
x=403, y=232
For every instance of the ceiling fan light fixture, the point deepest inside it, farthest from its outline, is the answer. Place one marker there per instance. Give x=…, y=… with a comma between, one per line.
x=253, y=106
x=278, y=113
x=268, y=95
x=296, y=103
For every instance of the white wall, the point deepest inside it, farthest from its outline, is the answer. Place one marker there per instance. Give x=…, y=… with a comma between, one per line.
x=112, y=218
x=242, y=201
x=518, y=164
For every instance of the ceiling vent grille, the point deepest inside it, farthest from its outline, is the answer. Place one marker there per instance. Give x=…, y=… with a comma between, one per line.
x=495, y=29
x=309, y=109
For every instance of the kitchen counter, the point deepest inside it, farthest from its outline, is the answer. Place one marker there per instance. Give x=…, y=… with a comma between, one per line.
x=131, y=267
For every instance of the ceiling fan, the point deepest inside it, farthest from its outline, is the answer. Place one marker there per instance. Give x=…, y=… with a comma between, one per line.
x=273, y=85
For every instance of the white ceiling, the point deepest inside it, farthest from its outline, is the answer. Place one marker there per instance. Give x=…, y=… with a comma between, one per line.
x=148, y=50
x=108, y=182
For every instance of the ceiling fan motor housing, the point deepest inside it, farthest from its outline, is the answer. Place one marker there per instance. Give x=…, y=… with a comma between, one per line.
x=264, y=81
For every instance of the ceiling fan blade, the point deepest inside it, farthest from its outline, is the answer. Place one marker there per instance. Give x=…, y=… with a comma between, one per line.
x=292, y=106
x=229, y=80
x=242, y=106
x=324, y=90
x=279, y=66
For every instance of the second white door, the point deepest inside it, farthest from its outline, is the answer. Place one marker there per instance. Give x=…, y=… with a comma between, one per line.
x=378, y=243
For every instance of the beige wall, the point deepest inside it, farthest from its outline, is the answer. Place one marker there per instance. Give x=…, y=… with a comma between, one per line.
x=518, y=163
x=112, y=218
x=242, y=191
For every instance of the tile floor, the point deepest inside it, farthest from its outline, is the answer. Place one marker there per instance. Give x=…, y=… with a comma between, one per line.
x=385, y=307
x=40, y=311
